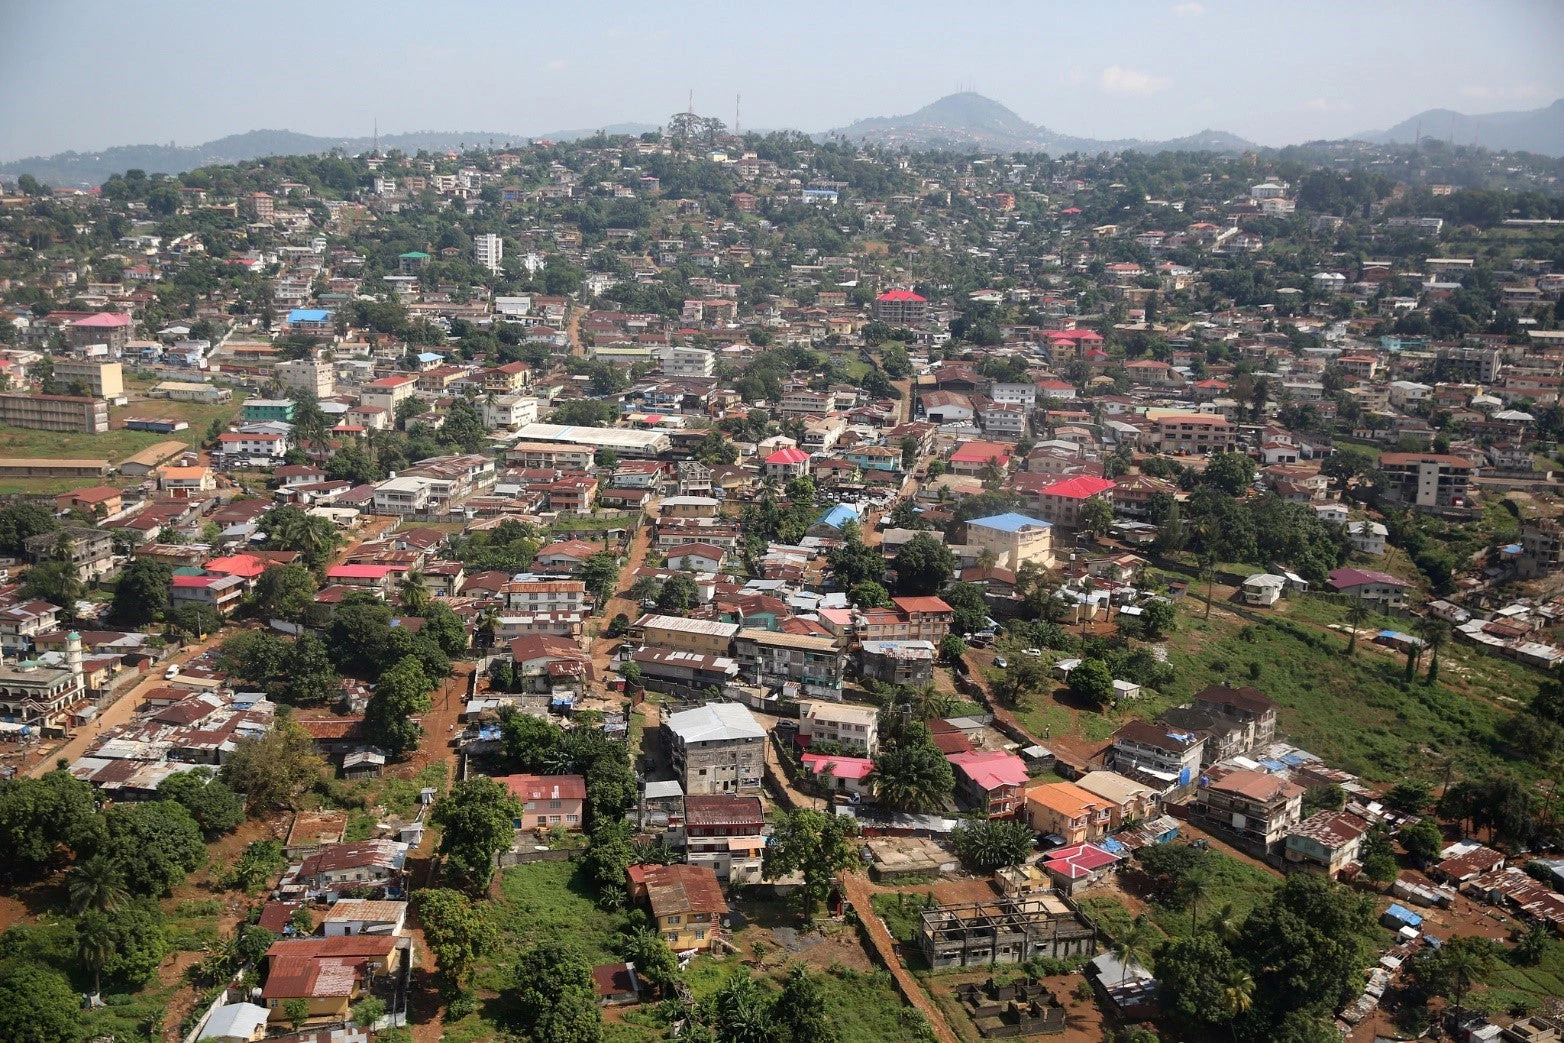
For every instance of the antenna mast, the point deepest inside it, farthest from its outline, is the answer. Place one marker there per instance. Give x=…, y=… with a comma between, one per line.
x=692, y=101
x=736, y=99
x=377, y=135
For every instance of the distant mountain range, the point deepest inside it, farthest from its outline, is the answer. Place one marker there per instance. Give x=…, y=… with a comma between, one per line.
x=964, y=122
x=1533, y=130
x=93, y=168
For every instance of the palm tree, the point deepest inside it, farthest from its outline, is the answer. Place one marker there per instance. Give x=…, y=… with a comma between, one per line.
x=913, y=778
x=1357, y=612
x=488, y=619
x=414, y=595
x=1195, y=888
x=94, y=950
x=1225, y=923
x=1434, y=633
x=1133, y=946
x=97, y=884
x=1237, y=998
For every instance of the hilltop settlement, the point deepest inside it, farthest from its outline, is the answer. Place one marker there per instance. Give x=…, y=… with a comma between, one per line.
x=713, y=587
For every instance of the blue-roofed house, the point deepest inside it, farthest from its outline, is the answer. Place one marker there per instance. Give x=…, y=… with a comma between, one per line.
x=308, y=320
x=1013, y=538
x=829, y=524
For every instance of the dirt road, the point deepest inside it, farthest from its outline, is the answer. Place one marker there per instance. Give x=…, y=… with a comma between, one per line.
x=857, y=892
x=603, y=648
x=120, y=711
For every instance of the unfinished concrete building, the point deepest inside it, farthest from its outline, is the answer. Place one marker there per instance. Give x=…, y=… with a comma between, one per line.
x=1005, y=930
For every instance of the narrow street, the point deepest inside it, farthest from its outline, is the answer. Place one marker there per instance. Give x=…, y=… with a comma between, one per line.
x=602, y=649
x=857, y=891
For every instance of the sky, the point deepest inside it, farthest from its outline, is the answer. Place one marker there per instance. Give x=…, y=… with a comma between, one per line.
x=85, y=75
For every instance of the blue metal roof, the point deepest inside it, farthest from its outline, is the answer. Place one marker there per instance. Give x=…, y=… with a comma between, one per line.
x=1009, y=522
x=308, y=315
x=430, y=356
x=838, y=516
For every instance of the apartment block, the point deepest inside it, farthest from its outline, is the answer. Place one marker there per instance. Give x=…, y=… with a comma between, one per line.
x=72, y=413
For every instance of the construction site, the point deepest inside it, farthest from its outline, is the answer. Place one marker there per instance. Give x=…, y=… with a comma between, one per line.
x=1005, y=930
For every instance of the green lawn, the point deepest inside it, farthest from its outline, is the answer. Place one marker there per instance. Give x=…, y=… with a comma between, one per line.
x=900, y=913
x=864, y=1006
x=1230, y=882
x=1511, y=985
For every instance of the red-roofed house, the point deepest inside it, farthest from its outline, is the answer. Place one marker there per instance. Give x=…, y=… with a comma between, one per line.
x=1061, y=502
x=785, y=464
x=378, y=578
x=1077, y=866
x=548, y=800
x=991, y=781
x=106, y=327
x=1373, y=587
x=388, y=392
x=246, y=566
x=328, y=974
x=973, y=458
x=841, y=774
x=222, y=593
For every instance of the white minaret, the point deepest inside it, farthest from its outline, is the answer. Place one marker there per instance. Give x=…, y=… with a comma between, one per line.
x=73, y=661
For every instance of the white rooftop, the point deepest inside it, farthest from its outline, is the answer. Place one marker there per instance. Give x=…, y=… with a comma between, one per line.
x=716, y=722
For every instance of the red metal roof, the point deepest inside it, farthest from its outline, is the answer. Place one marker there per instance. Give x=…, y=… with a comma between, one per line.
x=790, y=455
x=899, y=295
x=1079, y=487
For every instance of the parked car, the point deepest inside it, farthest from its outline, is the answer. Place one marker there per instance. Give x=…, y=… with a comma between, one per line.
x=171, y=673
x=1001, y=662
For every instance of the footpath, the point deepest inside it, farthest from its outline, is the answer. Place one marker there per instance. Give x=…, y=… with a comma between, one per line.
x=858, y=896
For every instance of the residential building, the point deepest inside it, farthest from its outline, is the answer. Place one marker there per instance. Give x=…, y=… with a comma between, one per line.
x=221, y=593
x=1326, y=842
x=854, y=728
x=1061, y=502
x=1166, y=756
x=1376, y=588
x=404, y=495
x=1426, y=479
x=488, y=250
x=98, y=501
x=1367, y=537
x=991, y=782
x=1258, y=807
x=679, y=361
x=1542, y=547
x=850, y=775
x=1013, y=538
x=70, y=413
x=725, y=833
x=22, y=622
x=548, y=801
x=545, y=595
x=312, y=375
x=1128, y=800
x=350, y=916
x=100, y=378
x=388, y=392
x=701, y=636
x=91, y=550
x=1240, y=720
x=364, y=864
x=685, y=900
x=1263, y=590
x=897, y=662
x=900, y=308
x=768, y=657
x=260, y=410
x=1065, y=810
x=717, y=748
x=786, y=464
x=1197, y=433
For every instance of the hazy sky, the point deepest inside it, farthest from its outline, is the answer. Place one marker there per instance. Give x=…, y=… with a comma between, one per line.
x=82, y=74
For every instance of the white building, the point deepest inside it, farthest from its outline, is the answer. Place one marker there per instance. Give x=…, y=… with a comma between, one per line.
x=1367, y=536
x=310, y=375
x=403, y=496
x=508, y=411
x=488, y=250
x=678, y=361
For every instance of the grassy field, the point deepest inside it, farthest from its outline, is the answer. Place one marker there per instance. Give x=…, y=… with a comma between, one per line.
x=1230, y=883
x=864, y=1006
x=1356, y=712
x=1511, y=985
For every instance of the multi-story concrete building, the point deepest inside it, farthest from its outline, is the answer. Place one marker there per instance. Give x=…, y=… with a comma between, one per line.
x=388, y=392
x=679, y=361
x=488, y=250
x=403, y=496
x=769, y=657
x=1195, y=433
x=73, y=413
x=545, y=595
x=1160, y=753
x=1061, y=502
x=726, y=833
x=316, y=376
x=1326, y=842
x=1468, y=365
x=41, y=697
x=900, y=307
x=91, y=550
x=100, y=378
x=701, y=636
x=717, y=748
x=1542, y=547
x=1259, y=807
x=1426, y=479
x=1014, y=538
x=222, y=593
x=853, y=727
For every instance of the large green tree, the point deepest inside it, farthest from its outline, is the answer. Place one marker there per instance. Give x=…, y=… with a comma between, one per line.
x=923, y=566
x=555, y=995
x=136, y=940
x=141, y=592
x=401, y=694
x=913, y=777
x=154, y=845
x=985, y=844
x=476, y=819
x=41, y=817
x=37, y=1005
x=274, y=770
x=819, y=846
x=285, y=592
x=213, y=804
x=457, y=931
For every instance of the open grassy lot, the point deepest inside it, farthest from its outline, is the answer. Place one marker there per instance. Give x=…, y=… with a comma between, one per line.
x=1355, y=712
x=1233, y=888
x=864, y=1005
x=1512, y=985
